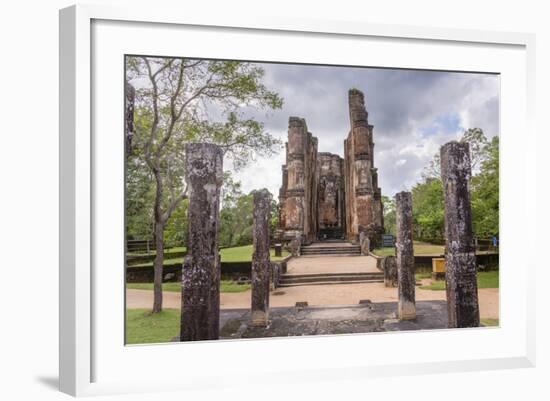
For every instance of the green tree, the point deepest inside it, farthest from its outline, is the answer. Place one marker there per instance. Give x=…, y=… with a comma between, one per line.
x=236, y=220
x=428, y=209
x=389, y=214
x=477, y=141
x=485, y=193
x=139, y=201
x=175, y=230
x=229, y=218
x=428, y=206
x=185, y=100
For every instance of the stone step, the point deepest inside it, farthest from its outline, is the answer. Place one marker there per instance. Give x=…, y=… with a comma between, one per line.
x=331, y=248
x=337, y=274
x=283, y=285
x=320, y=255
x=331, y=252
x=330, y=277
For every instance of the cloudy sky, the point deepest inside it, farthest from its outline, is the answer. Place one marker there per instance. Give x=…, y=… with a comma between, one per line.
x=413, y=113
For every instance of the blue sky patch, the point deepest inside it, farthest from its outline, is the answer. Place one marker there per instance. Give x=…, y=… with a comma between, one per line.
x=442, y=124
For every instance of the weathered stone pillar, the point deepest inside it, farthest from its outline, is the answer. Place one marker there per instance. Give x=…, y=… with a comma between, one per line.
x=129, y=116
x=389, y=266
x=295, y=245
x=260, y=259
x=460, y=258
x=201, y=267
x=406, y=309
x=364, y=242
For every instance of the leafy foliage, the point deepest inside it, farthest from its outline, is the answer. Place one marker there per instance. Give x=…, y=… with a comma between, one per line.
x=428, y=209
x=236, y=222
x=178, y=101
x=477, y=141
x=236, y=219
x=428, y=206
x=485, y=193
x=389, y=214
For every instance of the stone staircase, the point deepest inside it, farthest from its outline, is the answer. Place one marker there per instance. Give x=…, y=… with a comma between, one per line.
x=330, y=248
x=292, y=280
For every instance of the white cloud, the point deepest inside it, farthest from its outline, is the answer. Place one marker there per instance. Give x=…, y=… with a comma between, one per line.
x=413, y=113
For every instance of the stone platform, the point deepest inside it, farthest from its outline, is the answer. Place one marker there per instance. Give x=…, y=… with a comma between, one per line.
x=366, y=317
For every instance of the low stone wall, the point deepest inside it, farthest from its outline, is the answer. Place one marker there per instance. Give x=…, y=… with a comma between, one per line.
x=145, y=274
x=424, y=262
x=172, y=273
x=132, y=260
x=278, y=268
x=489, y=259
x=379, y=261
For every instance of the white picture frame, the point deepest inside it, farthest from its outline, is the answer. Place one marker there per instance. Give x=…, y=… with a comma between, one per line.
x=93, y=358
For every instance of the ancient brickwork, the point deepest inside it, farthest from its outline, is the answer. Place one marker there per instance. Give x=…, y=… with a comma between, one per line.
x=200, y=309
x=331, y=196
x=298, y=195
x=324, y=196
x=363, y=196
x=460, y=258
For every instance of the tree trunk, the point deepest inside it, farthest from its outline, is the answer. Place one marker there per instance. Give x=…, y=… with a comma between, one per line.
x=158, y=267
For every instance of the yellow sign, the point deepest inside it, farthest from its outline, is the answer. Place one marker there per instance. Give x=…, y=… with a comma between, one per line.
x=438, y=265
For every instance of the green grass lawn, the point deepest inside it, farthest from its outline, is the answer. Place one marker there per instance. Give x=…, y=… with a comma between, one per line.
x=225, y=286
x=235, y=254
x=388, y=251
x=244, y=254
x=489, y=322
x=484, y=280
x=144, y=327
x=422, y=275
x=420, y=248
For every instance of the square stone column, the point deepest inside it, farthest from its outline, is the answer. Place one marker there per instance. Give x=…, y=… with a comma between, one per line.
x=200, y=308
x=389, y=266
x=129, y=114
x=406, y=309
x=460, y=258
x=260, y=259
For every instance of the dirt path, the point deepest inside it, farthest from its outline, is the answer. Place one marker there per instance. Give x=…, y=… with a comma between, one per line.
x=340, y=294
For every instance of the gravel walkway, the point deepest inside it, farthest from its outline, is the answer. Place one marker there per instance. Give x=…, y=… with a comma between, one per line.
x=322, y=295
x=319, y=295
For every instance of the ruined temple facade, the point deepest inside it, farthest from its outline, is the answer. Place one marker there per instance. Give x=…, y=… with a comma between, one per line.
x=325, y=196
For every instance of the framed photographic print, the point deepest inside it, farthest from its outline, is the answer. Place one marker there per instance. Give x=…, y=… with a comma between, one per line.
x=314, y=194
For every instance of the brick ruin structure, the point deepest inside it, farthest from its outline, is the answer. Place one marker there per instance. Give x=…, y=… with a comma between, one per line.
x=324, y=196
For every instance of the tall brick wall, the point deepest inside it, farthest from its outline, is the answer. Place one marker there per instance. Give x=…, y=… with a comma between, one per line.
x=363, y=196
x=298, y=195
